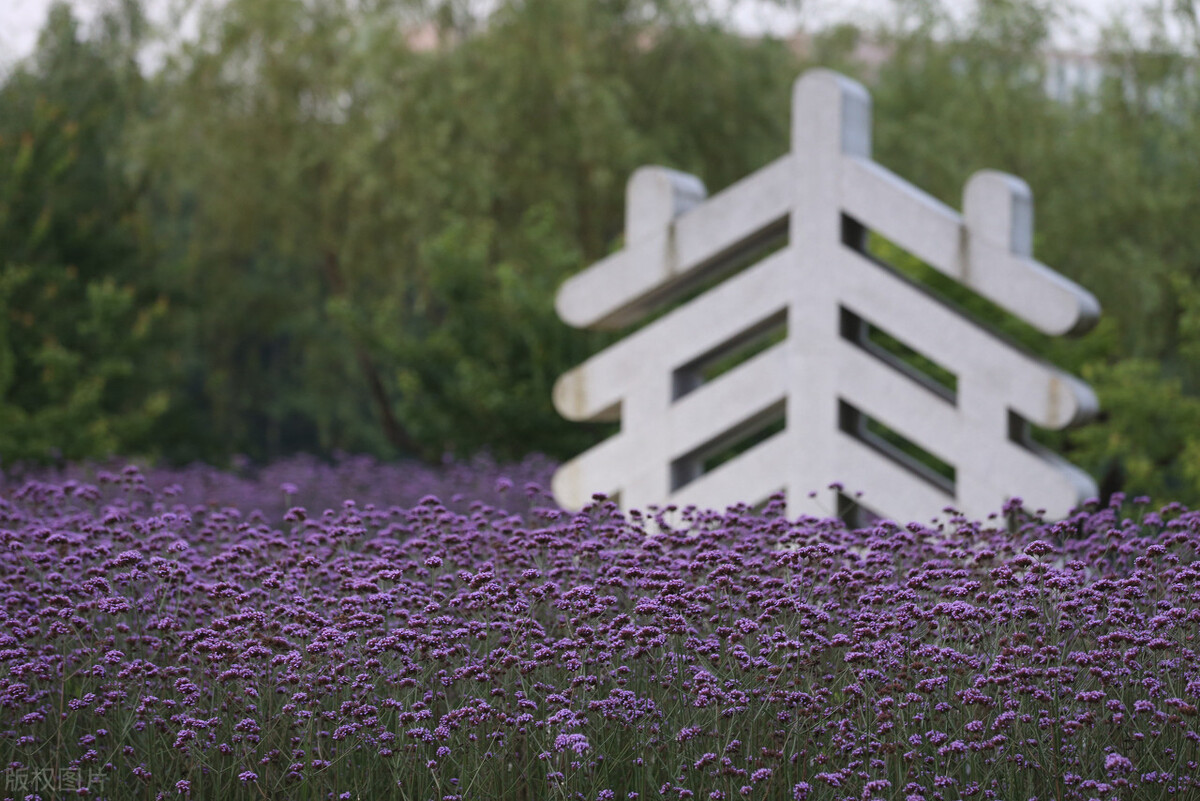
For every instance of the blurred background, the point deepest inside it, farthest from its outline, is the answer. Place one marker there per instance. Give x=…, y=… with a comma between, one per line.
x=260, y=228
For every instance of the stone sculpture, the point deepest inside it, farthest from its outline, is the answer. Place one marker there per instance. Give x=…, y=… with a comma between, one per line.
x=842, y=395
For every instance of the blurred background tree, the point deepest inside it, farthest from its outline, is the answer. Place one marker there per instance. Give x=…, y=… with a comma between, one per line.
x=338, y=225
x=368, y=207
x=82, y=370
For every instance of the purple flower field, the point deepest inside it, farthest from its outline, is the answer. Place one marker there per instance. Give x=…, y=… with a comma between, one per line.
x=193, y=634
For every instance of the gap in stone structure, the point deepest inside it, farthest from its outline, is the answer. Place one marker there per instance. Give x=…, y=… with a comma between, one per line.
x=728, y=446
x=738, y=350
x=740, y=447
x=899, y=356
x=855, y=514
x=765, y=242
x=596, y=431
x=1035, y=438
x=896, y=447
x=892, y=257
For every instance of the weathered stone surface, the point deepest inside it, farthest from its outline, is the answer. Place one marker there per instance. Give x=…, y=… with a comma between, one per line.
x=830, y=377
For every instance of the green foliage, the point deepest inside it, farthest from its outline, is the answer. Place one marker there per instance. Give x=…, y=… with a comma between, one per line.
x=372, y=232
x=77, y=321
x=338, y=225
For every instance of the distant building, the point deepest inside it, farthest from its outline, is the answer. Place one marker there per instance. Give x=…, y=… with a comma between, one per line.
x=1068, y=72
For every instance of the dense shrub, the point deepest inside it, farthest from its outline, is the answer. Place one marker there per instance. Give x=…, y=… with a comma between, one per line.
x=172, y=648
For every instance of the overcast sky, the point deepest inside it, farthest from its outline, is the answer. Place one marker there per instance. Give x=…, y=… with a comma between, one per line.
x=20, y=20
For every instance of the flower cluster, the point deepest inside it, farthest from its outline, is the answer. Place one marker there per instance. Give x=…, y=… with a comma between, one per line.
x=505, y=648
x=276, y=487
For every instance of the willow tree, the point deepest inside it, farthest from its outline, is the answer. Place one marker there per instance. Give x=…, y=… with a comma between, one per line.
x=371, y=204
